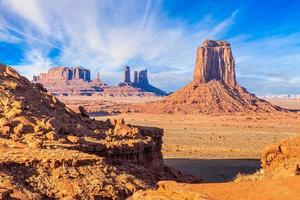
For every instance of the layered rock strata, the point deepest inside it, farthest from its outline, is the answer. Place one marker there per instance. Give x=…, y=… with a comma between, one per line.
x=70, y=81
x=215, y=62
x=64, y=74
x=60, y=153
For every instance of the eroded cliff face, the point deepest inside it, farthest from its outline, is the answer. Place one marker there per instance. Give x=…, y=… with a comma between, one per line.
x=50, y=144
x=64, y=74
x=215, y=62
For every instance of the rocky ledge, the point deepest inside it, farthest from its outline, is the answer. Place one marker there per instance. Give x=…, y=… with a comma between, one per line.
x=40, y=134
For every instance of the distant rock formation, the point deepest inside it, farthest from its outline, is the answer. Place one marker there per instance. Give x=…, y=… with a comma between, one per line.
x=140, y=81
x=215, y=62
x=76, y=81
x=64, y=74
x=213, y=90
x=70, y=81
x=141, y=78
x=127, y=74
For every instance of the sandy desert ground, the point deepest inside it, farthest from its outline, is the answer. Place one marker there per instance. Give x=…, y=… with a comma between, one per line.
x=217, y=147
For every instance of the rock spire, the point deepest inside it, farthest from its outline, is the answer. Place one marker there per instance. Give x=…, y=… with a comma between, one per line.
x=215, y=62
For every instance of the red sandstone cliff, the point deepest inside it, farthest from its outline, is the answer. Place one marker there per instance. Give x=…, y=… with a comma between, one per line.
x=215, y=62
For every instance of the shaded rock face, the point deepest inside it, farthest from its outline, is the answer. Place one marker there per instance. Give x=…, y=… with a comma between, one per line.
x=215, y=62
x=127, y=74
x=64, y=74
x=140, y=81
x=141, y=78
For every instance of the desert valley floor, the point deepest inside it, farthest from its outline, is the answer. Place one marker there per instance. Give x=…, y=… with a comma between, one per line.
x=218, y=147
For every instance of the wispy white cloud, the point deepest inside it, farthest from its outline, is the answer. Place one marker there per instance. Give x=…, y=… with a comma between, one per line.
x=8, y=37
x=269, y=64
x=30, y=11
x=36, y=63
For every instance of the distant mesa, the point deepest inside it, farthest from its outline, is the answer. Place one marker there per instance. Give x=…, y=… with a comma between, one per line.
x=141, y=81
x=76, y=81
x=214, y=88
x=64, y=74
x=70, y=81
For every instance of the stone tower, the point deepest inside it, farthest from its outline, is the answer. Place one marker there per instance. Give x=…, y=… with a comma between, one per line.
x=215, y=62
x=127, y=74
x=143, y=77
x=98, y=77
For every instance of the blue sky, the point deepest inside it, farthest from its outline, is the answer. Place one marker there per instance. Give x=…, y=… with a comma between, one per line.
x=161, y=36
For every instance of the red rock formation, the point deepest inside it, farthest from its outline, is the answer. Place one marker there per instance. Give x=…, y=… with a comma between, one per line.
x=213, y=90
x=64, y=74
x=69, y=81
x=140, y=82
x=215, y=62
x=59, y=153
x=282, y=159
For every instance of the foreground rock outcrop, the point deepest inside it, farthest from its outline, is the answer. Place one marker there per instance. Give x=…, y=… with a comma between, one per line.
x=282, y=159
x=213, y=90
x=53, y=152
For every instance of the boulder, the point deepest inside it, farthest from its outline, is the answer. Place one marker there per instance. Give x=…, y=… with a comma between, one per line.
x=51, y=135
x=11, y=72
x=83, y=112
x=5, y=130
x=282, y=159
x=73, y=139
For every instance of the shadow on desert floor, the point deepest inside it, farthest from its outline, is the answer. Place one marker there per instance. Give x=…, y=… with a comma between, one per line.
x=102, y=114
x=214, y=170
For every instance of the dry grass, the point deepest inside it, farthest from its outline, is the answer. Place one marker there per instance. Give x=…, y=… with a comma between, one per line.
x=256, y=176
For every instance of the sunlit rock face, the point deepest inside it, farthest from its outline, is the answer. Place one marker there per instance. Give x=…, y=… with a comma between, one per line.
x=64, y=74
x=215, y=62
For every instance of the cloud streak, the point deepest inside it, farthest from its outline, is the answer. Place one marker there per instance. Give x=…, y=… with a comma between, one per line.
x=270, y=64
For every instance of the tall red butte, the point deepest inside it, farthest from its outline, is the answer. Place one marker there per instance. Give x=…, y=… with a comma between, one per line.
x=214, y=88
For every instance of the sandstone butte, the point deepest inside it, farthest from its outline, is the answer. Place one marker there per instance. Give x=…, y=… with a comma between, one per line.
x=214, y=88
x=51, y=152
